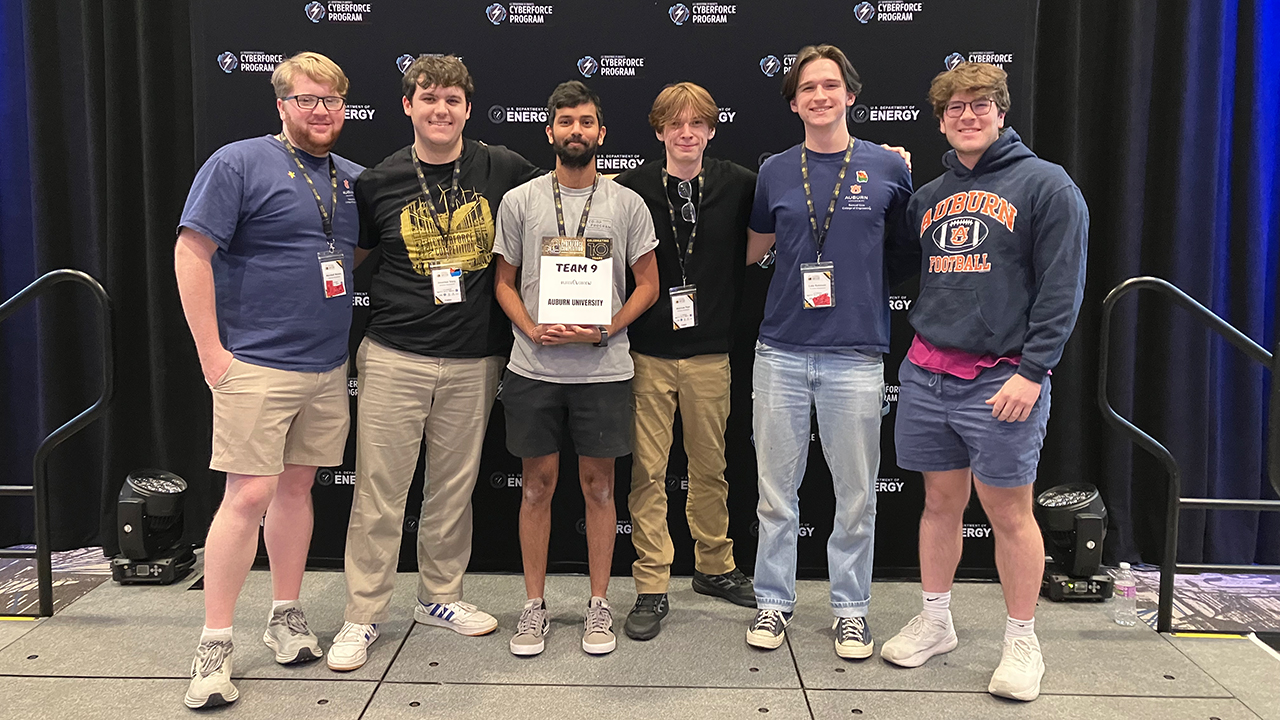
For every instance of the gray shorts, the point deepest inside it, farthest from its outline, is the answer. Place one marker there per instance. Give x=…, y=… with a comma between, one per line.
x=944, y=423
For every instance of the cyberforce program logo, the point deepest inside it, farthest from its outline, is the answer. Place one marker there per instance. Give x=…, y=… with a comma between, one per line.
x=403, y=62
x=678, y=13
x=499, y=114
x=250, y=61
x=883, y=113
x=228, y=62
x=341, y=12
x=994, y=58
x=522, y=13
x=959, y=234
x=588, y=66
x=953, y=60
x=770, y=65
x=611, y=66
x=887, y=11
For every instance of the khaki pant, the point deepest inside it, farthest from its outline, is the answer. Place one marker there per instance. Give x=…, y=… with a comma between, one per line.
x=700, y=387
x=404, y=397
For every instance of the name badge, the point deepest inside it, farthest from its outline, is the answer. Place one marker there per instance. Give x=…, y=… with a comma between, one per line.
x=575, y=281
x=818, y=282
x=446, y=284
x=333, y=274
x=684, y=307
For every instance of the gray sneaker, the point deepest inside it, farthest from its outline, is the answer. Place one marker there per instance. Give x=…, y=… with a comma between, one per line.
x=597, y=635
x=288, y=635
x=211, y=676
x=531, y=630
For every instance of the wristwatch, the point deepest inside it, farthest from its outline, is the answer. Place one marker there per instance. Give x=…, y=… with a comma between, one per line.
x=604, y=336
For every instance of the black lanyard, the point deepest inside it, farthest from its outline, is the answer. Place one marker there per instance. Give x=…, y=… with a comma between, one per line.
x=586, y=209
x=820, y=237
x=693, y=232
x=326, y=217
x=431, y=205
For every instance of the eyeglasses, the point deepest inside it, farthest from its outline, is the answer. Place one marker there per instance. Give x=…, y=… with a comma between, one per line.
x=332, y=103
x=687, y=211
x=979, y=107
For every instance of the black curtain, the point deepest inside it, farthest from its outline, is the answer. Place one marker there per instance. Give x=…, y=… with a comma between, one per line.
x=1161, y=113
x=112, y=155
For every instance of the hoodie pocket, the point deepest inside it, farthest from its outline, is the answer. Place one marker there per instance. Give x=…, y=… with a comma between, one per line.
x=951, y=318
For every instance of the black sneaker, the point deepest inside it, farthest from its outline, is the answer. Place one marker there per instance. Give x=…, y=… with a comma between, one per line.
x=732, y=586
x=769, y=629
x=645, y=619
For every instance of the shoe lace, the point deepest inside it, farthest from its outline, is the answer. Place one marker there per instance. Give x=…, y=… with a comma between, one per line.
x=917, y=628
x=210, y=654
x=648, y=602
x=460, y=607
x=768, y=620
x=599, y=619
x=851, y=629
x=1019, y=650
x=293, y=619
x=530, y=621
x=353, y=632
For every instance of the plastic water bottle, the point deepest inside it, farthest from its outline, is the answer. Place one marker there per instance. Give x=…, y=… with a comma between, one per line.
x=1124, y=601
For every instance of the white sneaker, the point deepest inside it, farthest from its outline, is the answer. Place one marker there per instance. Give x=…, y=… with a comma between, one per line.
x=350, y=648
x=531, y=631
x=921, y=639
x=211, y=676
x=462, y=618
x=1020, y=670
x=597, y=628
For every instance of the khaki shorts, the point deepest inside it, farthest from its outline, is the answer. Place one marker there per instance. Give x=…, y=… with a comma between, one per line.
x=264, y=419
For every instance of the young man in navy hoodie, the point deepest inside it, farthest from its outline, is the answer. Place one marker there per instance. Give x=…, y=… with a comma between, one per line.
x=1004, y=235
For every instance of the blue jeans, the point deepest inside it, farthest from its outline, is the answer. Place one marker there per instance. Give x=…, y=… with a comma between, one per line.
x=848, y=389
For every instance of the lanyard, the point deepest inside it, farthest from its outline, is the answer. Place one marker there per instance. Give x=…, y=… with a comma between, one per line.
x=693, y=232
x=431, y=205
x=586, y=209
x=326, y=217
x=820, y=237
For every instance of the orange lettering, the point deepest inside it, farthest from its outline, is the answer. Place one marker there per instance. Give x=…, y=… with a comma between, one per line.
x=1008, y=213
x=989, y=203
x=924, y=224
x=975, y=200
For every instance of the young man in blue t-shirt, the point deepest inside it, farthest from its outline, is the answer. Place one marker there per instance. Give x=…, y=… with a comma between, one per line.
x=263, y=262
x=834, y=209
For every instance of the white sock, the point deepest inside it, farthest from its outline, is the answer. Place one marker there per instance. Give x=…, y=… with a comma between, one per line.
x=275, y=604
x=1019, y=628
x=937, y=606
x=535, y=602
x=210, y=634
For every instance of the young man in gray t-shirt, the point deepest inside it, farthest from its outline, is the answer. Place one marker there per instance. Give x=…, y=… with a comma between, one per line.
x=570, y=377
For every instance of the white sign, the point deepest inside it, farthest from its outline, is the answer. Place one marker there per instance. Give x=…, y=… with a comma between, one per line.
x=575, y=281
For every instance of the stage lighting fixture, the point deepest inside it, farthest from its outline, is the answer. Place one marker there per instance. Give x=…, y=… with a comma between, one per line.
x=1074, y=522
x=149, y=528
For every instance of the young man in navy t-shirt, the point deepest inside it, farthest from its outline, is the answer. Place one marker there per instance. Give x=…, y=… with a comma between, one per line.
x=263, y=262
x=1004, y=235
x=834, y=208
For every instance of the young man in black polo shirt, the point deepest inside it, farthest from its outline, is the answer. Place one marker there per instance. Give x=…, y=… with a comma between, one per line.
x=680, y=348
x=432, y=354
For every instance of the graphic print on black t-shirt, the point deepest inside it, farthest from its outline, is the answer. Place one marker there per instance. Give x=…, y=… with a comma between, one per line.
x=468, y=243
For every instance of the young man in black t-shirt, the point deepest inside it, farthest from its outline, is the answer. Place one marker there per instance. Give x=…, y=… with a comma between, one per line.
x=680, y=348
x=431, y=357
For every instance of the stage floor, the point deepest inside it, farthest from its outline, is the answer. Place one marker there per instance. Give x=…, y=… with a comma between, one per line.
x=123, y=653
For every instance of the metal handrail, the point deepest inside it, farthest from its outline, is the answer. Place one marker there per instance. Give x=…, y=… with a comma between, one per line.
x=1175, y=503
x=39, y=487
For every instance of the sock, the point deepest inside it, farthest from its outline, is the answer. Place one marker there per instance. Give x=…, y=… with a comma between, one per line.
x=210, y=634
x=276, y=605
x=592, y=602
x=535, y=602
x=1019, y=628
x=937, y=606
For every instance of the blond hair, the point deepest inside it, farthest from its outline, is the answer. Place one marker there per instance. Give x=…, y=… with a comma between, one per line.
x=981, y=79
x=674, y=100
x=315, y=66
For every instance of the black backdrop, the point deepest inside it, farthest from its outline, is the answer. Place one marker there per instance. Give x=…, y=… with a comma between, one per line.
x=1166, y=114
x=740, y=56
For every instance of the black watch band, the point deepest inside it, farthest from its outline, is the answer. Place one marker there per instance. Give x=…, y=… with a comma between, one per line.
x=604, y=336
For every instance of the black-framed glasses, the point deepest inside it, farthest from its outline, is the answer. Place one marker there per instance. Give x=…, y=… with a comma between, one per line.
x=332, y=103
x=979, y=107
x=687, y=211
